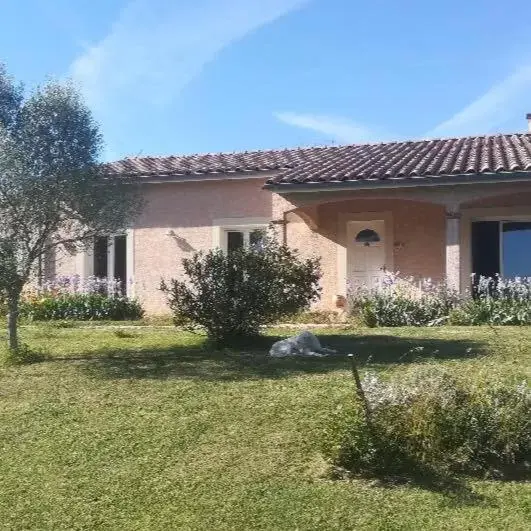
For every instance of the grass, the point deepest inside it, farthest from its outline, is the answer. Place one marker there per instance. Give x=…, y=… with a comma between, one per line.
x=148, y=429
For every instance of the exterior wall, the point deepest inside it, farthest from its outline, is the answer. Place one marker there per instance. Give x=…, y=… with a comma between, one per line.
x=189, y=210
x=417, y=232
x=311, y=243
x=178, y=219
x=521, y=198
x=63, y=263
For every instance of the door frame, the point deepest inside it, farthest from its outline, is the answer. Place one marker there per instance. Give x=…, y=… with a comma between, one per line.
x=342, y=253
x=468, y=215
x=85, y=260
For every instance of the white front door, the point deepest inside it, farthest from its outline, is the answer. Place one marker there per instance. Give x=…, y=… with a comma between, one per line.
x=365, y=253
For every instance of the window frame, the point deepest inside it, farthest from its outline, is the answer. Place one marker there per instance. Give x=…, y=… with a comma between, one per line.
x=501, y=223
x=246, y=231
x=85, y=260
x=222, y=227
x=500, y=220
x=111, y=253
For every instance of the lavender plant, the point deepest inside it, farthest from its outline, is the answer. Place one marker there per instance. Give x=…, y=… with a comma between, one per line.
x=63, y=285
x=399, y=301
x=496, y=301
x=74, y=298
x=432, y=418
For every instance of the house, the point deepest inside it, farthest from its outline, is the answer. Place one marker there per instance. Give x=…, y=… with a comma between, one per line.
x=431, y=208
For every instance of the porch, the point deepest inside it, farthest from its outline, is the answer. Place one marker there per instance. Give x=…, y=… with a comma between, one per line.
x=438, y=232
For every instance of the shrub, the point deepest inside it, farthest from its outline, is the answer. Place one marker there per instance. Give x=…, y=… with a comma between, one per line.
x=232, y=295
x=430, y=419
x=400, y=301
x=81, y=306
x=74, y=298
x=496, y=301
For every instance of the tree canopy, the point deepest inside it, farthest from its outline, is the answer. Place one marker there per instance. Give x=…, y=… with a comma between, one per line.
x=53, y=189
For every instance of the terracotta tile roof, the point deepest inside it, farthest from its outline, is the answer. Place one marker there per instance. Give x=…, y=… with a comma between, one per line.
x=401, y=160
x=389, y=160
x=248, y=161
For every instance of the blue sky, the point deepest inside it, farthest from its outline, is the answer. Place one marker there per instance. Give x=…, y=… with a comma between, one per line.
x=183, y=76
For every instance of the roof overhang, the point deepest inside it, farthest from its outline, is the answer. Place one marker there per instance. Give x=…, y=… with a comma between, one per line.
x=400, y=182
x=199, y=177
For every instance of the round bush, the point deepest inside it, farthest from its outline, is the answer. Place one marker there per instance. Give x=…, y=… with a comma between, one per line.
x=232, y=294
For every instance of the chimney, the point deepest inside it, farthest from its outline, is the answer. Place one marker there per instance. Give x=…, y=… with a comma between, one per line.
x=528, y=116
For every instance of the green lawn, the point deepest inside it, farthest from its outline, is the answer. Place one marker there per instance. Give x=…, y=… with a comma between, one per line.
x=144, y=429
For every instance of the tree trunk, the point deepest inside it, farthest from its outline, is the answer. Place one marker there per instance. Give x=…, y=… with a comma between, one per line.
x=12, y=321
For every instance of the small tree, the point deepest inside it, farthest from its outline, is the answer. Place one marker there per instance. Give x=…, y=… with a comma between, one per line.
x=53, y=192
x=232, y=295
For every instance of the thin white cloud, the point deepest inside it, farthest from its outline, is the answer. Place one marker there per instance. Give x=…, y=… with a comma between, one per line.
x=334, y=127
x=156, y=47
x=491, y=110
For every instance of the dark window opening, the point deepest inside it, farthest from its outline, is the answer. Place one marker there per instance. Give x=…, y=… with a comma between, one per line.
x=367, y=236
x=120, y=261
x=486, y=248
x=101, y=257
x=234, y=240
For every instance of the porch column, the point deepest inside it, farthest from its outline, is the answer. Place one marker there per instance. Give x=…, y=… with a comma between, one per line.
x=453, y=250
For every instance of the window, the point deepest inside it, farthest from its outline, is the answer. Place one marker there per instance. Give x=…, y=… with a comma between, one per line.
x=256, y=237
x=244, y=237
x=234, y=240
x=110, y=258
x=516, y=249
x=501, y=247
x=230, y=234
x=101, y=257
x=120, y=258
x=367, y=236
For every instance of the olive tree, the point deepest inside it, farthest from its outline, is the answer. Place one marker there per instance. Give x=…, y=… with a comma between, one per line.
x=53, y=190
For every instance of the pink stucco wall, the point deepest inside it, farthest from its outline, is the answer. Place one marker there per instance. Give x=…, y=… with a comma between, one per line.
x=316, y=243
x=63, y=263
x=178, y=219
x=418, y=231
x=189, y=209
x=521, y=198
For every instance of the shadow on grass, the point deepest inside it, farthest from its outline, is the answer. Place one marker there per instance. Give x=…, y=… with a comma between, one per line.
x=252, y=361
x=456, y=490
x=454, y=486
